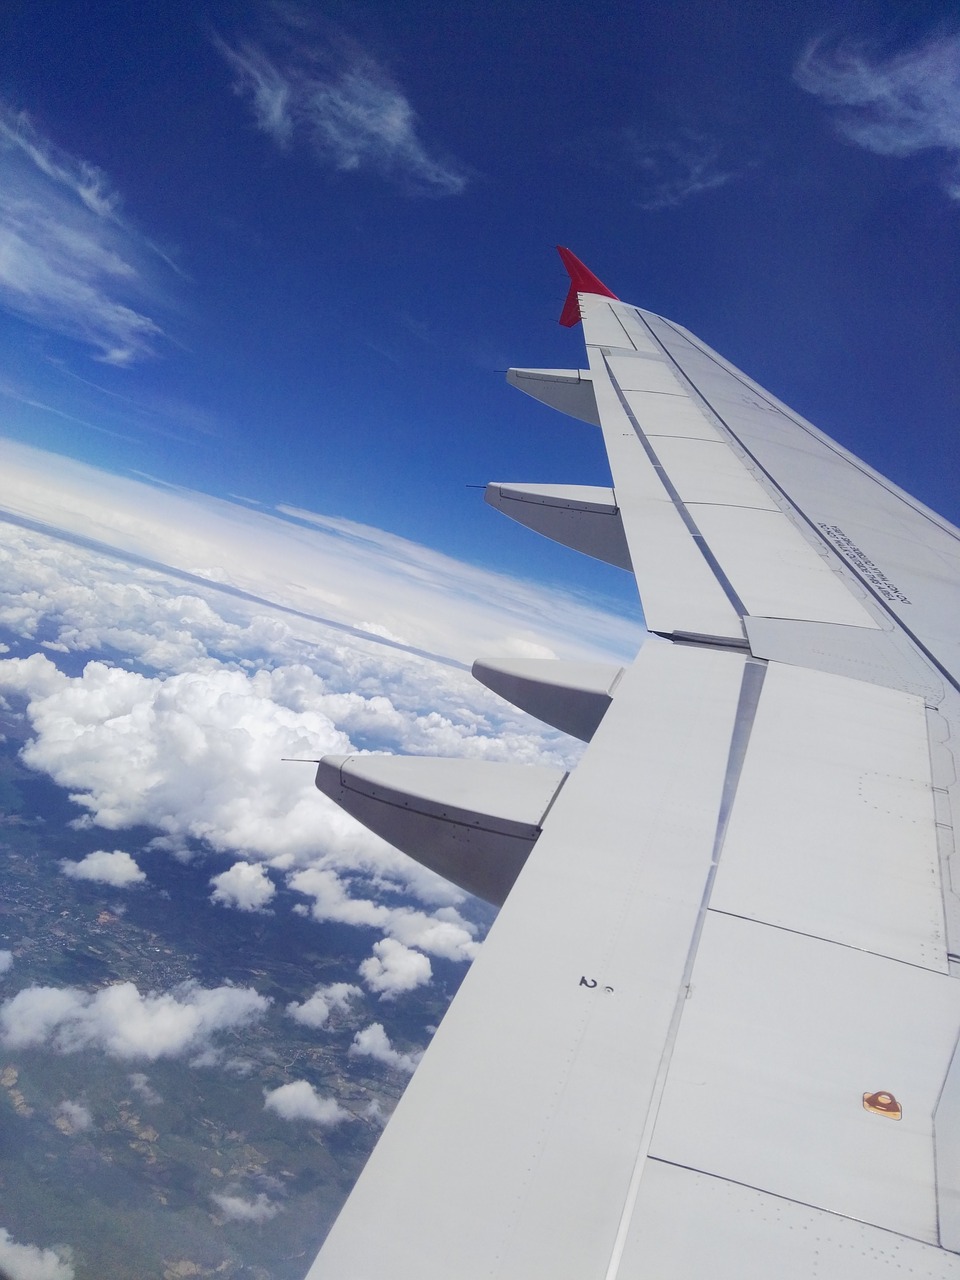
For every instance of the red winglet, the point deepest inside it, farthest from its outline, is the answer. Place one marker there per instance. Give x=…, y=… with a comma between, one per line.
x=582, y=280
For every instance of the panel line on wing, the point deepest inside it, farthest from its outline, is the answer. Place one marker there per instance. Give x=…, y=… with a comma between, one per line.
x=784, y=410
x=778, y=1195
x=751, y=685
x=701, y=543
x=819, y=937
x=795, y=507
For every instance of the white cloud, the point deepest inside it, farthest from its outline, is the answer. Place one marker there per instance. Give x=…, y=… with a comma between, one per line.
x=312, y=569
x=394, y=968
x=117, y=869
x=270, y=93
x=300, y=1101
x=140, y=1084
x=238, y=1209
x=664, y=169
x=373, y=1042
x=345, y=106
x=6, y=961
x=69, y=263
x=236, y=673
x=374, y=1112
x=125, y=1024
x=245, y=886
x=314, y=1011
x=29, y=1262
x=76, y=1116
x=444, y=933
x=898, y=105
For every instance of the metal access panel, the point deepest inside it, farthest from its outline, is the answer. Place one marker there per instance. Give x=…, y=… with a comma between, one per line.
x=833, y=831
x=780, y=1040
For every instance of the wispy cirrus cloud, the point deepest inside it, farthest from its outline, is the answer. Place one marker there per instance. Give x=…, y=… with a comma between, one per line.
x=69, y=263
x=665, y=169
x=343, y=104
x=674, y=170
x=900, y=105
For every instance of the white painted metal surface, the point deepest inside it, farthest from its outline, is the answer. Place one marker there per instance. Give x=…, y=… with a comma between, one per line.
x=690, y=1226
x=569, y=390
x=832, y=832
x=775, y=571
x=646, y=373
x=572, y=696
x=709, y=471
x=660, y=415
x=907, y=555
x=583, y=517
x=527, y=1179
x=473, y=821
x=679, y=590
x=780, y=1039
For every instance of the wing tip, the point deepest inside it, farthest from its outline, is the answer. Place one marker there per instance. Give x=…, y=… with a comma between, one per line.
x=582, y=280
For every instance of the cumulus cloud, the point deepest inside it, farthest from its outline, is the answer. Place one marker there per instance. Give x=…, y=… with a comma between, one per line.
x=70, y=263
x=6, y=961
x=899, y=105
x=394, y=968
x=444, y=932
x=30, y=1262
x=141, y=1086
x=314, y=1011
x=344, y=105
x=75, y=1116
x=373, y=1042
x=299, y=1100
x=245, y=886
x=238, y=1209
x=125, y=1024
x=117, y=869
x=233, y=674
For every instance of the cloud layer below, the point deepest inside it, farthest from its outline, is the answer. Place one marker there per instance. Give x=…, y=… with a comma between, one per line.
x=169, y=694
x=29, y=1262
x=121, y=1022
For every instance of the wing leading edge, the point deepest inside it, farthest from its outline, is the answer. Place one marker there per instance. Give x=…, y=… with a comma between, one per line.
x=712, y=1032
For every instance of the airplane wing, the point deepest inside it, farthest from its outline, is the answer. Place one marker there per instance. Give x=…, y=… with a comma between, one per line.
x=713, y=1031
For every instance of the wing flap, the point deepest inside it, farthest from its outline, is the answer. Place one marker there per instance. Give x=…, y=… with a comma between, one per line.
x=840, y=770
x=781, y=1038
x=689, y=1225
x=527, y=1112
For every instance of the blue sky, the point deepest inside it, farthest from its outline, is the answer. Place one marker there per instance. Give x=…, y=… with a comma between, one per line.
x=283, y=251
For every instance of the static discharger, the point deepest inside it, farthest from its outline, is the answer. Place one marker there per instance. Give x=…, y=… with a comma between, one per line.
x=882, y=1104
